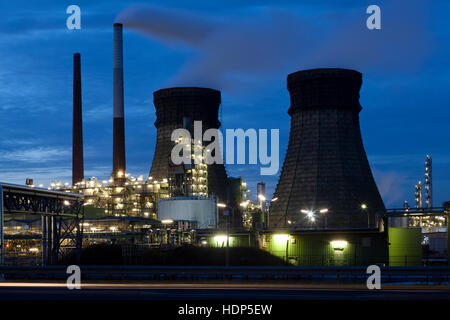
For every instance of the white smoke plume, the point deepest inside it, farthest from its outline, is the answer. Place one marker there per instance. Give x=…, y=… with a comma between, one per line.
x=236, y=49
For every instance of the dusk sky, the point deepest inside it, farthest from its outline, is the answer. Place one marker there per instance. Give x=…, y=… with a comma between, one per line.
x=243, y=48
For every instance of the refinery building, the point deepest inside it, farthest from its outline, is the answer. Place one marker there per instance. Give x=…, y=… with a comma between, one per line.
x=326, y=209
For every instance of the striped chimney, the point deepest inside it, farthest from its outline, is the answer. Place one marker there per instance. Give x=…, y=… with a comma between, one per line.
x=118, y=126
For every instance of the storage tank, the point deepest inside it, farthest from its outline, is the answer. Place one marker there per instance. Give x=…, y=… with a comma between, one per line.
x=199, y=209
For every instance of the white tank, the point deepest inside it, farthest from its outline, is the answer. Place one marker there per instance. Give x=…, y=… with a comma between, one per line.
x=199, y=209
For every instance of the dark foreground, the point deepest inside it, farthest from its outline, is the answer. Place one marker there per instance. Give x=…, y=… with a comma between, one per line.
x=247, y=291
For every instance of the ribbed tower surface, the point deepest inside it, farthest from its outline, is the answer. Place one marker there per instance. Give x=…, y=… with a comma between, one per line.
x=172, y=105
x=325, y=165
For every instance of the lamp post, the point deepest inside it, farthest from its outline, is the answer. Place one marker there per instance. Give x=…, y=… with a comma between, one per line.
x=364, y=208
x=227, y=249
x=311, y=216
x=268, y=212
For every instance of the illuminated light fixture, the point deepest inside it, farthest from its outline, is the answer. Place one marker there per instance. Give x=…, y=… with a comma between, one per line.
x=261, y=197
x=363, y=206
x=274, y=199
x=221, y=205
x=245, y=203
x=339, y=245
x=167, y=221
x=220, y=240
x=323, y=210
x=281, y=237
x=304, y=211
x=120, y=174
x=33, y=250
x=66, y=203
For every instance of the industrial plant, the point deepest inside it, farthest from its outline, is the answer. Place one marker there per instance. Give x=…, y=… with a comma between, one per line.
x=326, y=209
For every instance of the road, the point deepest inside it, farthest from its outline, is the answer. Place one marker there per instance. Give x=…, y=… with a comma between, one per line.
x=215, y=291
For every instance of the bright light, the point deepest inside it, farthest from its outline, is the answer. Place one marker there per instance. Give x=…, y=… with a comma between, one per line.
x=274, y=199
x=281, y=237
x=323, y=210
x=363, y=206
x=261, y=197
x=338, y=244
x=310, y=214
x=304, y=211
x=66, y=203
x=221, y=205
x=167, y=221
x=220, y=240
x=244, y=204
x=33, y=250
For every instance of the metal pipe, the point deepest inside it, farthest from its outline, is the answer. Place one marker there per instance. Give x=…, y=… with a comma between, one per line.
x=44, y=240
x=49, y=240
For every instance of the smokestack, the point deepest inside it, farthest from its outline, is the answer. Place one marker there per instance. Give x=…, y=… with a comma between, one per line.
x=119, y=124
x=77, y=138
x=326, y=180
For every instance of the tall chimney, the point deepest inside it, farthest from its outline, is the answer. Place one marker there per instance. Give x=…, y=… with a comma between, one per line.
x=77, y=138
x=119, y=125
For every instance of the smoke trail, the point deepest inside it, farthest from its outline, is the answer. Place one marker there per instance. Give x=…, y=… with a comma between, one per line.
x=271, y=43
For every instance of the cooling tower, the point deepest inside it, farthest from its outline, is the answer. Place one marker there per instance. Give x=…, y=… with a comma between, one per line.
x=119, y=123
x=172, y=106
x=325, y=165
x=77, y=137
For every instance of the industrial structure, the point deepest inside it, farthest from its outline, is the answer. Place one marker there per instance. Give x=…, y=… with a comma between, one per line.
x=326, y=209
x=326, y=179
x=429, y=182
x=261, y=195
x=174, y=107
x=119, y=165
x=77, y=143
x=60, y=214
